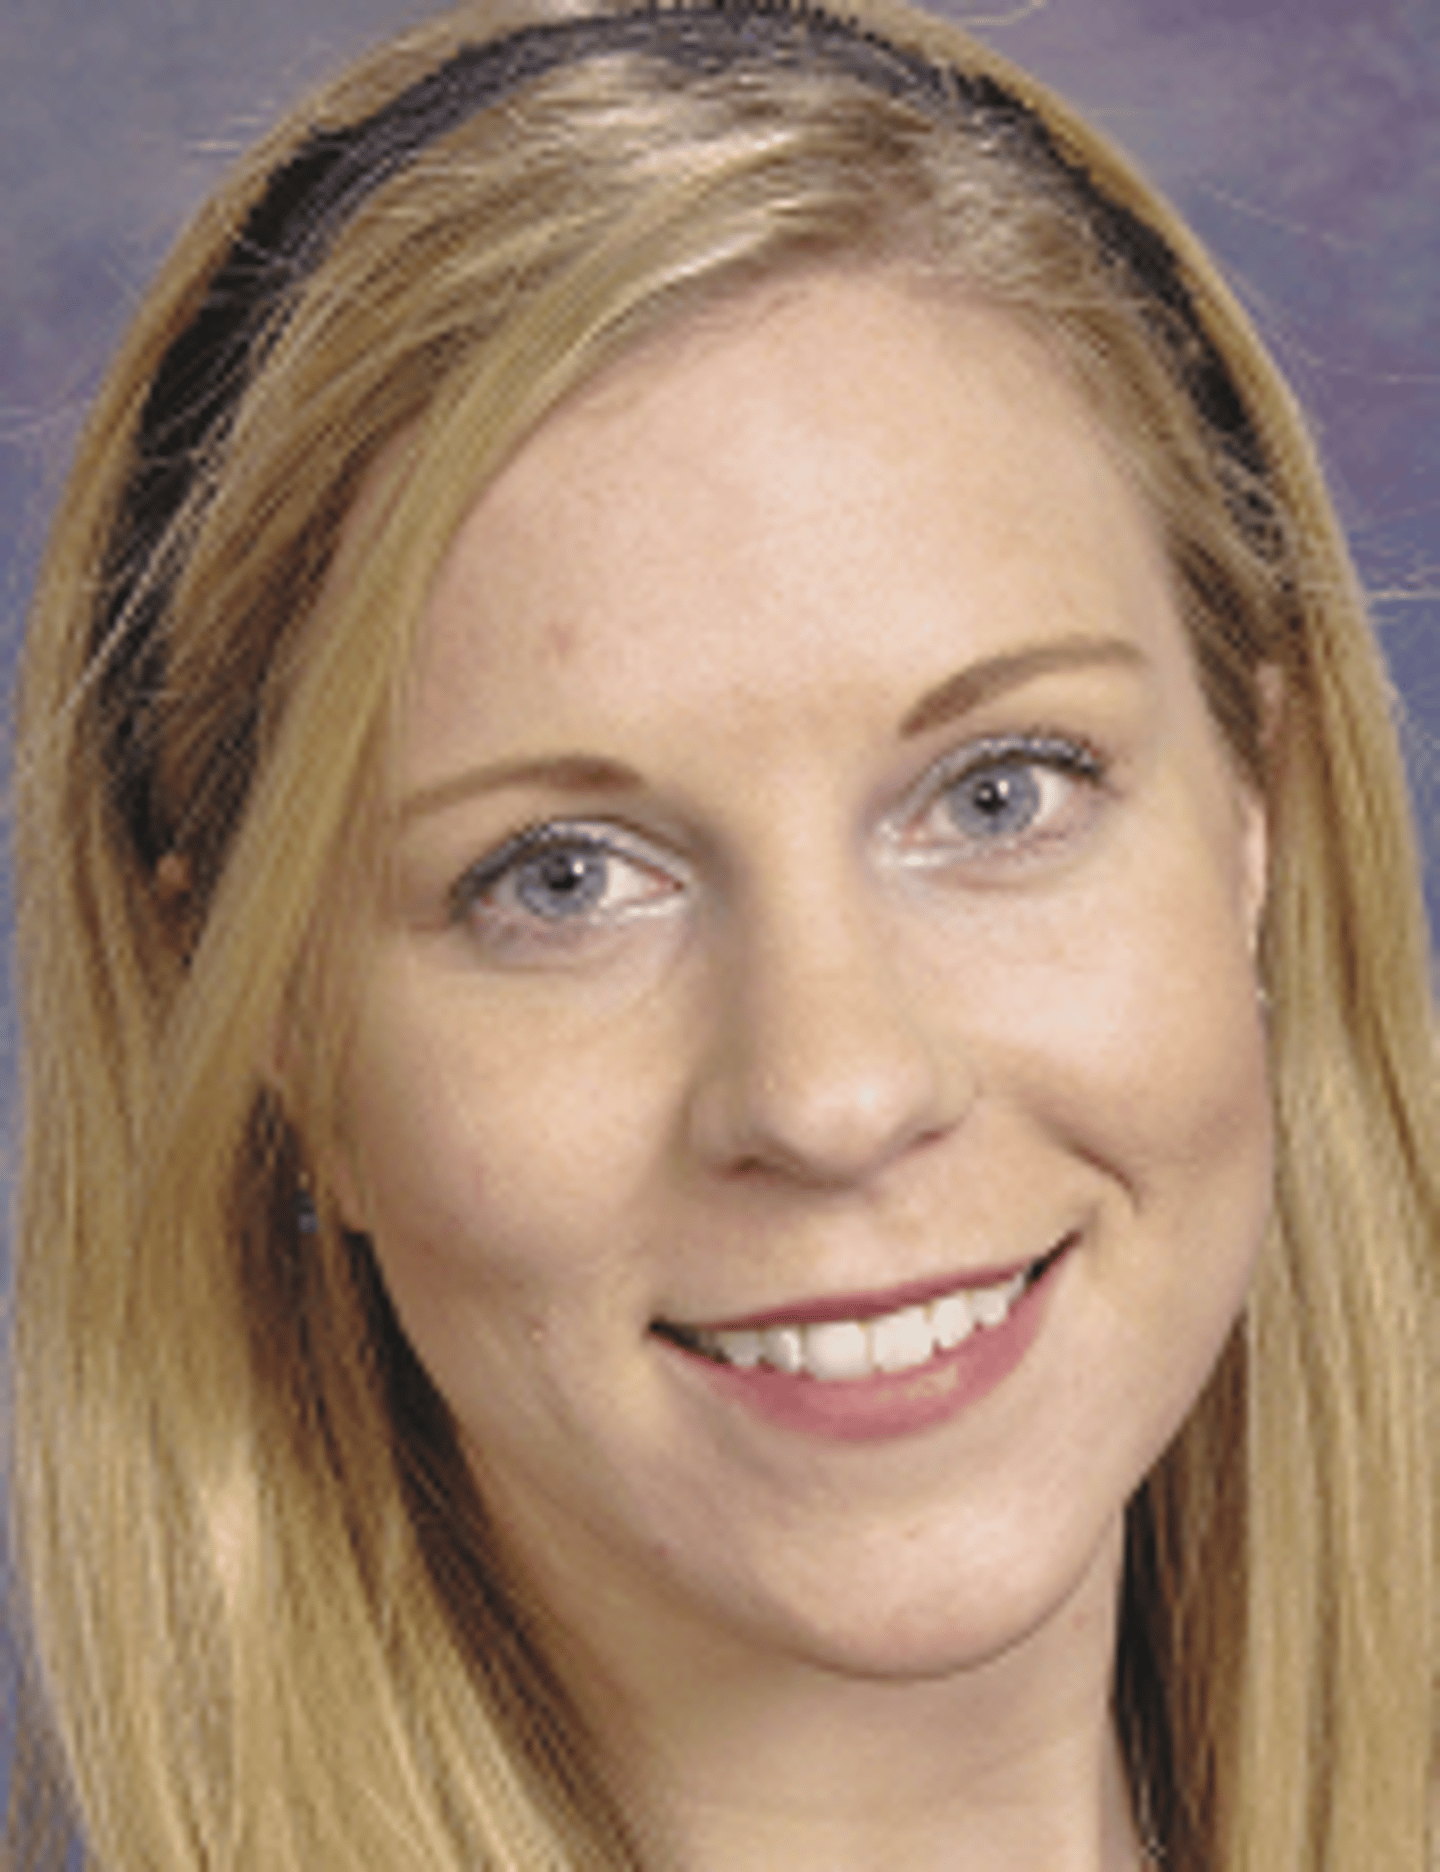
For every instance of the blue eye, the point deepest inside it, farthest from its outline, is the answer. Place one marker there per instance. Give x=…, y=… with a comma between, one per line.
x=555, y=883
x=564, y=881
x=1008, y=798
x=998, y=801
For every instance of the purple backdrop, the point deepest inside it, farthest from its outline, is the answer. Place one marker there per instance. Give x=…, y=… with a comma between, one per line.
x=1301, y=136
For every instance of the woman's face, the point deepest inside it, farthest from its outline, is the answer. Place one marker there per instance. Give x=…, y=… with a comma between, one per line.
x=819, y=898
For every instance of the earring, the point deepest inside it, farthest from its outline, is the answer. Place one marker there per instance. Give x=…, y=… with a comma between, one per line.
x=307, y=1221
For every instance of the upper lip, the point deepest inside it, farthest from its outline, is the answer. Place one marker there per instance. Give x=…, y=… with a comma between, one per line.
x=874, y=1302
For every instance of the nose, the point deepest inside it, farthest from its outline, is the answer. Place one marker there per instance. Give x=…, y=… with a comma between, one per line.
x=826, y=1064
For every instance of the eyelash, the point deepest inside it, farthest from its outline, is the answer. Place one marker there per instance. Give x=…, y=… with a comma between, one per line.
x=479, y=897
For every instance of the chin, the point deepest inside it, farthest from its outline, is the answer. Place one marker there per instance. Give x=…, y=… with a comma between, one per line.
x=898, y=1616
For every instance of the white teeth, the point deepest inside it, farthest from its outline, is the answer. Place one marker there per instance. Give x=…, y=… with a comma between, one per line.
x=901, y=1341
x=991, y=1305
x=840, y=1351
x=952, y=1321
x=784, y=1348
x=740, y=1348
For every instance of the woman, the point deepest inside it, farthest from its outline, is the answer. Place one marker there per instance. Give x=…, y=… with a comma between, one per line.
x=730, y=1100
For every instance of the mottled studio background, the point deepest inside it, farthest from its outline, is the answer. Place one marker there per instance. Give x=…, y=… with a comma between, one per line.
x=1302, y=137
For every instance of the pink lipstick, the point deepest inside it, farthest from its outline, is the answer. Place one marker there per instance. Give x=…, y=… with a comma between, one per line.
x=866, y=1366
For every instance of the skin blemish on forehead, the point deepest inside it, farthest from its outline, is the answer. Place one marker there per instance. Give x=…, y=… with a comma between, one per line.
x=560, y=640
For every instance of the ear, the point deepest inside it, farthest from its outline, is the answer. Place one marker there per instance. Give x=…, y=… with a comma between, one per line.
x=1254, y=862
x=173, y=886
x=1270, y=704
x=172, y=880
x=1254, y=809
x=346, y=1189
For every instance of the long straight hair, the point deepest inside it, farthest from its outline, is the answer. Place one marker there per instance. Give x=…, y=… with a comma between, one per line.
x=268, y=1622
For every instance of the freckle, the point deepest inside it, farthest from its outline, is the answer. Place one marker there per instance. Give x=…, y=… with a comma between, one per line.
x=558, y=642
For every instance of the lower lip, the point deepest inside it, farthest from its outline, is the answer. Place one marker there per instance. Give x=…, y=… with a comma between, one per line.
x=891, y=1404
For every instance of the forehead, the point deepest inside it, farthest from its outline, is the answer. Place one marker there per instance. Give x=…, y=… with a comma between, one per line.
x=830, y=484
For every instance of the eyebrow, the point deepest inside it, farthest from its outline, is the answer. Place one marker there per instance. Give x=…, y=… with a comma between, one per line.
x=565, y=773
x=978, y=682
x=955, y=697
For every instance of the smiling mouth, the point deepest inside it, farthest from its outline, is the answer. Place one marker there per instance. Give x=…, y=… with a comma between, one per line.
x=848, y=1351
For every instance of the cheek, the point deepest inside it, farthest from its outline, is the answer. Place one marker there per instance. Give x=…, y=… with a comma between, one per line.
x=436, y=1169
x=1168, y=1092
x=1164, y=1047
x=1130, y=1033
x=1153, y=994
x=494, y=1163
x=1145, y=1062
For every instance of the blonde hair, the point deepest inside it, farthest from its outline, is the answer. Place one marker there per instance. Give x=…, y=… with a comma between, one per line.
x=270, y=1625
